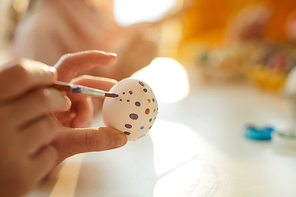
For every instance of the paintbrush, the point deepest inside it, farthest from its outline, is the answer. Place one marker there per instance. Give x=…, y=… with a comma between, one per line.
x=79, y=89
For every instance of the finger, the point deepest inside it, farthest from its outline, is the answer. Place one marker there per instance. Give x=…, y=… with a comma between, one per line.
x=22, y=76
x=98, y=83
x=38, y=134
x=65, y=118
x=84, y=113
x=95, y=82
x=73, y=141
x=69, y=65
x=35, y=104
x=43, y=162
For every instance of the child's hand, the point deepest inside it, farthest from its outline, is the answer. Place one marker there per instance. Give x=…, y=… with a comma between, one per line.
x=26, y=124
x=82, y=110
x=71, y=141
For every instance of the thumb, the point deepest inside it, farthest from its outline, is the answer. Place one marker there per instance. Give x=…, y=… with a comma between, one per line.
x=70, y=141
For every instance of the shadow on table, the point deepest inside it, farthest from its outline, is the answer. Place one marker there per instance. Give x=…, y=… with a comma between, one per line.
x=127, y=171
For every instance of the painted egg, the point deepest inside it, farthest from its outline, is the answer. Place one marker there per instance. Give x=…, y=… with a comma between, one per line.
x=133, y=111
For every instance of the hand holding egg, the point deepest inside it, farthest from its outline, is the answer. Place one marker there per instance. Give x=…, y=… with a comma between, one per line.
x=133, y=111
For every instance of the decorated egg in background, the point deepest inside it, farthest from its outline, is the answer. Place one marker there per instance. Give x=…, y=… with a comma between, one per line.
x=134, y=110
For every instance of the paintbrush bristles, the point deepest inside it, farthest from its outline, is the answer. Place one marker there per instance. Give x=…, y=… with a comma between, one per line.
x=113, y=95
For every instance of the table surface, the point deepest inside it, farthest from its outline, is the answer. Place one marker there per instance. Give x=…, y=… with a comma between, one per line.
x=195, y=148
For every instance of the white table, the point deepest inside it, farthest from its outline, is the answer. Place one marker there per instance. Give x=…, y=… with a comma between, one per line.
x=196, y=148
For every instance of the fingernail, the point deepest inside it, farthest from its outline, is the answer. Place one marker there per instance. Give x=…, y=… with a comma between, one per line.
x=68, y=102
x=111, y=54
x=82, y=123
x=85, y=124
x=119, y=139
x=53, y=72
x=79, y=125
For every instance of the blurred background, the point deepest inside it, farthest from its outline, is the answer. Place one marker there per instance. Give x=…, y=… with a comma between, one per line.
x=225, y=40
x=229, y=59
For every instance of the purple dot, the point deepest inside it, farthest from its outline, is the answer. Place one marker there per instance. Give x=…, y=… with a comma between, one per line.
x=127, y=133
x=141, y=83
x=134, y=116
x=130, y=92
x=128, y=126
x=123, y=92
x=120, y=99
x=150, y=127
x=128, y=100
x=138, y=104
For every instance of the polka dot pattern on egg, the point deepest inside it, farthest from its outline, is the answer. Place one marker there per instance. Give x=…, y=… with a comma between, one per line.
x=134, y=111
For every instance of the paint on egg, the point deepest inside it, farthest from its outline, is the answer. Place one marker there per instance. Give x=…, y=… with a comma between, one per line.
x=134, y=110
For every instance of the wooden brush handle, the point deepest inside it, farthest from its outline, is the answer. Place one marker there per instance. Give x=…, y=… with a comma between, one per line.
x=61, y=86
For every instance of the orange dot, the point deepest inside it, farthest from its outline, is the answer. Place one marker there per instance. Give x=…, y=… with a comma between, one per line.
x=147, y=111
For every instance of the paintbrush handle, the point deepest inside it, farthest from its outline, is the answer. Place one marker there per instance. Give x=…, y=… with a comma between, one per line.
x=81, y=89
x=61, y=86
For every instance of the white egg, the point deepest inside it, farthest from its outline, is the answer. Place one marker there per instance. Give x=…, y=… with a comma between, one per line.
x=134, y=110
